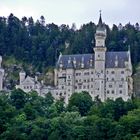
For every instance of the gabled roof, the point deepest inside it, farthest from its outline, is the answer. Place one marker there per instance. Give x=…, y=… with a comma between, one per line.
x=28, y=79
x=88, y=60
x=78, y=58
x=122, y=57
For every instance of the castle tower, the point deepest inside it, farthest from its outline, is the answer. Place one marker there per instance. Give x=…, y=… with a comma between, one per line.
x=22, y=75
x=1, y=74
x=100, y=51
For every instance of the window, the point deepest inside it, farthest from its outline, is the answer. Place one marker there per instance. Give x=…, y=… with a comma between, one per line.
x=113, y=72
x=112, y=91
x=86, y=73
x=92, y=79
x=110, y=86
x=120, y=91
x=63, y=74
x=107, y=72
x=91, y=86
x=107, y=91
x=122, y=79
x=84, y=80
x=112, y=79
x=98, y=55
x=106, y=79
x=122, y=72
x=120, y=86
x=84, y=87
x=92, y=72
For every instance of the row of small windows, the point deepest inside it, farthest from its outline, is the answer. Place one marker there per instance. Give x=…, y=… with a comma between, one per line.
x=120, y=86
x=85, y=80
x=85, y=73
x=113, y=72
x=113, y=79
x=61, y=94
x=28, y=87
x=108, y=92
x=84, y=87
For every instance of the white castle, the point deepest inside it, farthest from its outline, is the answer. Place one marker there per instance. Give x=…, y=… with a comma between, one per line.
x=103, y=74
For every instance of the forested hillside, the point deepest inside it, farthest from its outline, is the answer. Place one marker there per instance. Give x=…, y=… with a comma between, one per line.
x=39, y=43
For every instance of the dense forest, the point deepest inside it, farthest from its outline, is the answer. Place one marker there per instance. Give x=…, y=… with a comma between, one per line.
x=39, y=43
x=31, y=117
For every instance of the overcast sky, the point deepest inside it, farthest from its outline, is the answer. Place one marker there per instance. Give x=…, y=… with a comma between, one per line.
x=74, y=11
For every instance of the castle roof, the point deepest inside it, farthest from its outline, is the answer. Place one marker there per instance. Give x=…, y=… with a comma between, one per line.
x=101, y=25
x=88, y=60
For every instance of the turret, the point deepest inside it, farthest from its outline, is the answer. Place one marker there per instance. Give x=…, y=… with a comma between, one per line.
x=22, y=75
x=99, y=64
x=100, y=37
x=100, y=34
x=0, y=61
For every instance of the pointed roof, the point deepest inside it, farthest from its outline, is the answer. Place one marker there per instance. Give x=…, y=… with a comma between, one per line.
x=100, y=23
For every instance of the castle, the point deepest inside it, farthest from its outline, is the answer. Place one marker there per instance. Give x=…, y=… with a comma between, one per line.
x=103, y=74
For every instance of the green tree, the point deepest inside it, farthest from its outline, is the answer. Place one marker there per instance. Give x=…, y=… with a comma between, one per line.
x=83, y=101
x=18, y=98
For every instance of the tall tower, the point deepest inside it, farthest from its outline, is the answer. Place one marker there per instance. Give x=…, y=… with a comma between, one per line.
x=1, y=74
x=22, y=75
x=100, y=51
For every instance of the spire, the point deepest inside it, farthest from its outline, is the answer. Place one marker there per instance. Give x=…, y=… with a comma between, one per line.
x=100, y=19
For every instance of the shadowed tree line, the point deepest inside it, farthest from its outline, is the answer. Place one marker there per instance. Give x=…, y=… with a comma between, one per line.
x=39, y=43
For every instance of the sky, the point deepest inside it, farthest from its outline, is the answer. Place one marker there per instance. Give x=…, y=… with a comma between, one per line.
x=74, y=11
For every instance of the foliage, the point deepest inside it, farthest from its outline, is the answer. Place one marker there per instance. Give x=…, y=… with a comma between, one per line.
x=29, y=116
x=39, y=44
x=83, y=102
